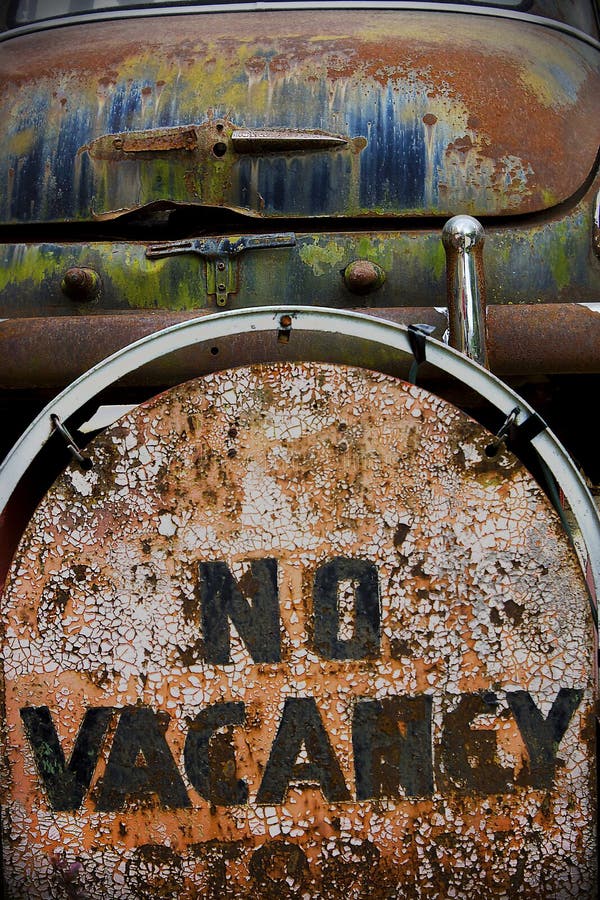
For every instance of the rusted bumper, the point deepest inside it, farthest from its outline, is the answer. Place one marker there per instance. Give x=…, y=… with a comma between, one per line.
x=523, y=340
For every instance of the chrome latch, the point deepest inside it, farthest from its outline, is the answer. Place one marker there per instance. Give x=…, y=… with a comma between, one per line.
x=221, y=275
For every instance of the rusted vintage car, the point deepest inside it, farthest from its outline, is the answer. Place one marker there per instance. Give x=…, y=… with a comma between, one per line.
x=299, y=583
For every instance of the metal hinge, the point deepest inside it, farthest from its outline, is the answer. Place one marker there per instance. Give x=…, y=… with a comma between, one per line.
x=221, y=275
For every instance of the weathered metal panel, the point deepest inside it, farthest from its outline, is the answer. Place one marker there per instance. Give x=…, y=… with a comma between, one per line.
x=540, y=261
x=297, y=634
x=439, y=112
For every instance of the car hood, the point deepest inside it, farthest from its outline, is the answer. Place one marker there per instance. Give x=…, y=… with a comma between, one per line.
x=296, y=114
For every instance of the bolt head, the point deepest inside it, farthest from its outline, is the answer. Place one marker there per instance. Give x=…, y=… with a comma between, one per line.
x=362, y=276
x=81, y=284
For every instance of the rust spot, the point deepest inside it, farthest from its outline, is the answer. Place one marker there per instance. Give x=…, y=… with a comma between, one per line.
x=255, y=66
x=514, y=611
x=400, y=534
x=363, y=276
x=461, y=145
x=279, y=65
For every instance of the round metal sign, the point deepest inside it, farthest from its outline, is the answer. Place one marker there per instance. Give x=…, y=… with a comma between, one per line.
x=297, y=634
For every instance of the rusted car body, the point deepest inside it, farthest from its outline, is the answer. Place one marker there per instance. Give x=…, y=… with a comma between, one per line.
x=165, y=162
x=363, y=130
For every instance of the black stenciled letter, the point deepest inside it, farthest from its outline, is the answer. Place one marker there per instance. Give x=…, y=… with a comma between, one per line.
x=469, y=755
x=65, y=784
x=301, y=726
x=215, y=855
x=140, y=763
x=279, y=869
x=365, y=642
x=392, y=747
x=209, y=757
x=154, y=870
x=542, y=736
x=223, y=598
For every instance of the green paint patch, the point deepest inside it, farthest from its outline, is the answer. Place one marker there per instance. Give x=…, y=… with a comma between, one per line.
x=160, y=284
x=21, y=265
x=437, y=258
x=323, y=257
x=20, y=143
x=377, y=251
x=549, y=198
x=560, y=259
x=562, y=248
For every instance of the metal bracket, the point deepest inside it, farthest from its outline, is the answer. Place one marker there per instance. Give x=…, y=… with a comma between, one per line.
x=501, y=435
x=221, y=275
x=84, y=461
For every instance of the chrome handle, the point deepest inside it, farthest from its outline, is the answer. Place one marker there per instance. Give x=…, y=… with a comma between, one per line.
x=463, y=239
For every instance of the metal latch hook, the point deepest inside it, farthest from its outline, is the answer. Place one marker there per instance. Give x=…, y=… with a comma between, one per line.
x=500, y=438
x=84, y=461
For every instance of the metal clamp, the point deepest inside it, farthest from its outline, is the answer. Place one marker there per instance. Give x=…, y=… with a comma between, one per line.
x=84, y=461
x=417, y=338
x=221, y=275
x=501, y=436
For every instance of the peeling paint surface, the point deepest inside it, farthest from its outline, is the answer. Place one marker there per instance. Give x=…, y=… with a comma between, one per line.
x=439, y=112
x=296, y=634
x=540, y=263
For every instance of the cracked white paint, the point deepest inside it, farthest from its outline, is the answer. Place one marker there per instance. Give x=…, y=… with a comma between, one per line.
x=480, y=591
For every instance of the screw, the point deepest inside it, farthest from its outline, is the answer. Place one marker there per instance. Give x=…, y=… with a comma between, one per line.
x=285, y=329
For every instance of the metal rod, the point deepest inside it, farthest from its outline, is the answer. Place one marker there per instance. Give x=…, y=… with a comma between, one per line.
x=523, y=340
x=463, y=239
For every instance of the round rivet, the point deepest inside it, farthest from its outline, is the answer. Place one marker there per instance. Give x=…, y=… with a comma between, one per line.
x=81, y=284
x=362, y=276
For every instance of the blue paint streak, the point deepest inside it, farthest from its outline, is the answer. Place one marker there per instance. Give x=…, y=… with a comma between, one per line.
x=393, y=166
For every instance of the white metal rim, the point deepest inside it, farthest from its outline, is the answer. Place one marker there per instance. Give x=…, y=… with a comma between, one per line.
x=322, y=320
